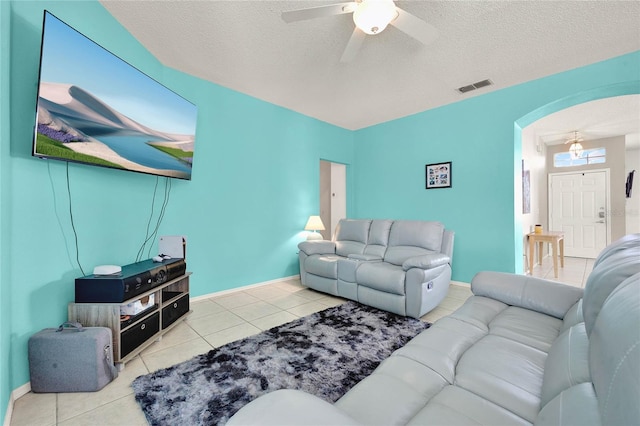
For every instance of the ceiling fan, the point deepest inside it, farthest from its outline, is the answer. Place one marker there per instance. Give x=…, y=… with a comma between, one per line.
x=371, y=17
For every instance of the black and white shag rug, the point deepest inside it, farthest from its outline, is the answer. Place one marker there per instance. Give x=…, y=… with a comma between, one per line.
x=324, y=354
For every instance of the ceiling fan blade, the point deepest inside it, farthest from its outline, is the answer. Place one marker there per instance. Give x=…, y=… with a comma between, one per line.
x=353, y=46
x=415, y=27
x=319, y=12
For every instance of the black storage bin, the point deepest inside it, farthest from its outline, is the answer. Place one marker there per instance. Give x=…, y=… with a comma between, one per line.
x=175, y=310
x=133, y=337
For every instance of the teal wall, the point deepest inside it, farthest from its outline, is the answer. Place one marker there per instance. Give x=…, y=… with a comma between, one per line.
x=5, y=287
x=255, y=182
x=255, y=179
x=481, y=136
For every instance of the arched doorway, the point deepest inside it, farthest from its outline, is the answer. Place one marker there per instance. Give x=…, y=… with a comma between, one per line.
x=612, y=91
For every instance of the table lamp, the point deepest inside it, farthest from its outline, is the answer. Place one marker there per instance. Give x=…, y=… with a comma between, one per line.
x=314, y=224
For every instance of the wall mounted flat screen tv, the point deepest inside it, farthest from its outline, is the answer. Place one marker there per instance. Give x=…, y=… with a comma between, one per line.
x=97, y=109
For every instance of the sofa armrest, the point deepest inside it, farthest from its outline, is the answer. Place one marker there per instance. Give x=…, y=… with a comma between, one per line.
x=317, y=247
x=365, y=257
x=426, y=261
x=537, y=294
x=290, y=407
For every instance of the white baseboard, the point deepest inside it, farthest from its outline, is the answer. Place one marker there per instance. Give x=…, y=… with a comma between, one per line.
x=460, y=283
x=243, y=288
x=15, y=394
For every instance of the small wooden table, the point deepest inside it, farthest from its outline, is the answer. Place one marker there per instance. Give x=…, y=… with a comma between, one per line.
x=556, y=239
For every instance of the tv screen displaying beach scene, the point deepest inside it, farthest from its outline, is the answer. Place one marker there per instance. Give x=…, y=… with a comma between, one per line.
x=95, y=108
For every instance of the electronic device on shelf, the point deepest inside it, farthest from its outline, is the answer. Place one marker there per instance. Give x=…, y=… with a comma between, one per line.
x=107, y=270
x=134, y=279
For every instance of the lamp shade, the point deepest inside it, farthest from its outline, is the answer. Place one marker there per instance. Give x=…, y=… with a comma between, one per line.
x=373, y=16
x=314, y=224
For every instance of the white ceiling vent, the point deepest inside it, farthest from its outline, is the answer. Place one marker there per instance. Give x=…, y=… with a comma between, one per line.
x=474, y=86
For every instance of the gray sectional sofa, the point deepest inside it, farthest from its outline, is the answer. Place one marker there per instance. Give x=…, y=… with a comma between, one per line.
x=520, y=351
x=400, y=266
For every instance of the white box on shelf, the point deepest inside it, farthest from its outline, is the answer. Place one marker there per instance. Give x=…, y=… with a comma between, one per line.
x=174, y=246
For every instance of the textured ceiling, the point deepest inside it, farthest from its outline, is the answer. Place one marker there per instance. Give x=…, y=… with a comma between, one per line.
x=599, y=119
x=246, y=46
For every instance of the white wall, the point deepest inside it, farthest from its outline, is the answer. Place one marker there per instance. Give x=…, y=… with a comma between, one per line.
x=632, y=205
x=533, y=153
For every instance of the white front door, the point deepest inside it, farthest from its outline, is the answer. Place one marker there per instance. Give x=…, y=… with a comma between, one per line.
x=578, y=207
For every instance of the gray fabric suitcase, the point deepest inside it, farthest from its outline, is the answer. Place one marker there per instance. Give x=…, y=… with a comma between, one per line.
x=71, y=358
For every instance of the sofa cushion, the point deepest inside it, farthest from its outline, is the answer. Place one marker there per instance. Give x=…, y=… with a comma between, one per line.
x=527, y=292
x=290, y=407
x=378, y=237
x=614, y=355
x=442, y=347
x=351, y=236
x=425, y=261
x=425, y=234
x=505, y=372
x=394, y=303
x=605, y=278
x=457, y=406
x=573, y=316
x=399, y=254
x=413, y=238
x=393, y=393
x=346, y=248
x=317, y=247
x=381, y=276
x=624, y=243
x=577, y=405
x=325, y=265
x=479, y=311
x=567, y=363
x=527, y=327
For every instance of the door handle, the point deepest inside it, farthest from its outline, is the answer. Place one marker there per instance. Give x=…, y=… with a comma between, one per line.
x=600, y=221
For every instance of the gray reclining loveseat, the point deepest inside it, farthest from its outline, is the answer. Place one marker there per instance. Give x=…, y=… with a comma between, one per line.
x=400, y=266
x=520, y=351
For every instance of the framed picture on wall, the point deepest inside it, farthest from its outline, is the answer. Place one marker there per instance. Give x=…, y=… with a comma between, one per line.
x=438, y=175
x=526, y=190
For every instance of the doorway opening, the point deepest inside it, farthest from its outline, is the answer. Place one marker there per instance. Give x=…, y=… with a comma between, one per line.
x=333, y=195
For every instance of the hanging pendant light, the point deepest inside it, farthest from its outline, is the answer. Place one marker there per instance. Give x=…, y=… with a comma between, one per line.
x=575, y=150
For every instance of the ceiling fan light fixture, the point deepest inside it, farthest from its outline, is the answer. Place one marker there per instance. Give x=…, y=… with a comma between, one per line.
x=373, y=16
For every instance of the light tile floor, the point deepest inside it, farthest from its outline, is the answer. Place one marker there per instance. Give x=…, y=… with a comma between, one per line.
x=213, y=323
x=575, y=271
